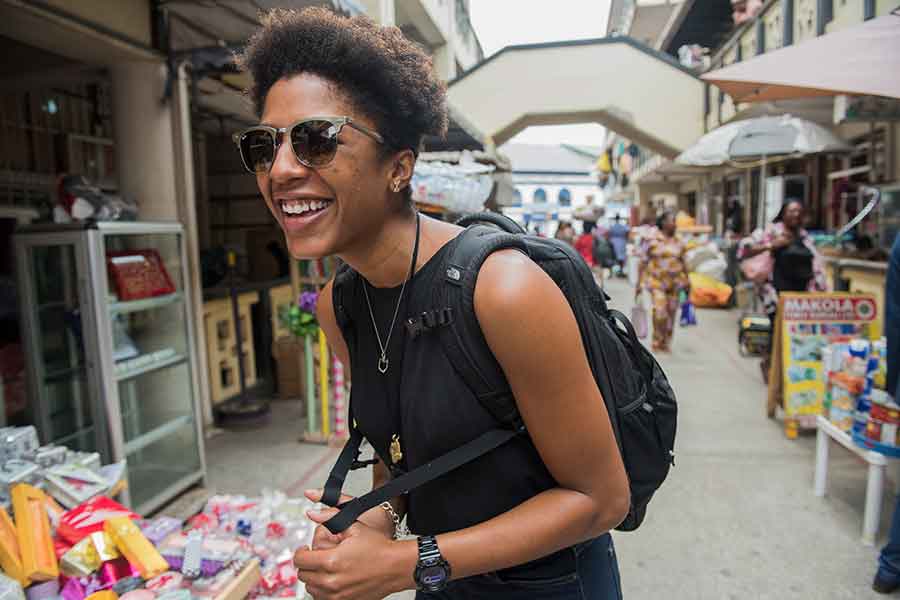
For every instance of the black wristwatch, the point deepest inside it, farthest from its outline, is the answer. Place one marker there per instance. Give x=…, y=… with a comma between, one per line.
x=432, y=572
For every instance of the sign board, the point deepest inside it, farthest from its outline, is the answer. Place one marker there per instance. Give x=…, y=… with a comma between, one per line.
x=806, y=323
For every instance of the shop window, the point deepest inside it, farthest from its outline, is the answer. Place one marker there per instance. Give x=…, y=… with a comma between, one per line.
x=540, y=196
x=517, y=197
x=565, y=197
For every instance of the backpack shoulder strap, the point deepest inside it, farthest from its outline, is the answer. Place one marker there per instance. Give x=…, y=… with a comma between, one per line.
x=344, y=281
x=462, y=340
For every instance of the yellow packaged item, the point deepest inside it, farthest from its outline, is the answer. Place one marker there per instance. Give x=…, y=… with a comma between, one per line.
x=104, y=595
x=34, y=534
x=106, y=548
x=135, y=547
x=81, y=560
x=10, y=557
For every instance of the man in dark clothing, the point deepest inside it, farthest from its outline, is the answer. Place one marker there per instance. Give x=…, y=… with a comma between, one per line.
x=887, y=579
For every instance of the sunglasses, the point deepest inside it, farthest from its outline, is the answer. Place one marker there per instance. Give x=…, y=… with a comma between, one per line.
x=314, y=142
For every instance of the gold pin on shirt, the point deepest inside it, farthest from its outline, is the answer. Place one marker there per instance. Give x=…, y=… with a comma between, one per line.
x=396, y=451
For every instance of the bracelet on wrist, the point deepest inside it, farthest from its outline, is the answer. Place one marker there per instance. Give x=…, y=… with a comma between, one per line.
x=400, y=530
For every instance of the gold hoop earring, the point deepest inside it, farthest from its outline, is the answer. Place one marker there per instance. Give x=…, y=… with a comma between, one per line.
x=396, y=186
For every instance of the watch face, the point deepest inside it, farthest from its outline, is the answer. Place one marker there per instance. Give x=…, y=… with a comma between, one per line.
x=432, y=576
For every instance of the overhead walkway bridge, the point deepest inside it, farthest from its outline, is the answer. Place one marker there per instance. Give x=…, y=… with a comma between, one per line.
x=631, y=89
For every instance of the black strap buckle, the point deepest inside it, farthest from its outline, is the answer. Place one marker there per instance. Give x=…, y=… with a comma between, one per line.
x=429, y=321
x=362, y=464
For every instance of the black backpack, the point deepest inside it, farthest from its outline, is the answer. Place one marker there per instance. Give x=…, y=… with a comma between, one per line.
x=638, y=397
x=603, y=252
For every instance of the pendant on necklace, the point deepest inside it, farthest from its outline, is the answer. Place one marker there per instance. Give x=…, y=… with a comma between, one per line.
x=396, y=452
x=383, y=364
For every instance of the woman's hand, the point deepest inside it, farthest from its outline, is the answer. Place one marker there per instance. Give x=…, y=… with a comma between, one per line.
x=375, y=518
x=360, y=563
x=782, y=241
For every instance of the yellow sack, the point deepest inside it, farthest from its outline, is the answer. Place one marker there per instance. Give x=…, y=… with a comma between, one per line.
x=707, y=292
x=682, y=219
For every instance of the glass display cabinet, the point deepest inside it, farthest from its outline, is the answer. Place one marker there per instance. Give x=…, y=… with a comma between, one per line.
x=110, y=351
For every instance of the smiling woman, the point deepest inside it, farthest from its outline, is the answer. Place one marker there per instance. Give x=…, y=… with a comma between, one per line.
x=344, y=106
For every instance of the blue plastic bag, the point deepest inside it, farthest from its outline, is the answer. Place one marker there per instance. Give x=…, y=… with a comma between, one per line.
x=688, y=314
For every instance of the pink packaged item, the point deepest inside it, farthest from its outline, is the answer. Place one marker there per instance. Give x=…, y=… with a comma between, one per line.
x=758, y=268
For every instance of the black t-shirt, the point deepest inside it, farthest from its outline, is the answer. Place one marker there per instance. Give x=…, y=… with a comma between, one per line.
x=793, y=267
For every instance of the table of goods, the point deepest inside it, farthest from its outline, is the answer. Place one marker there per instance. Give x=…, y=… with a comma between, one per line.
x=55, y=544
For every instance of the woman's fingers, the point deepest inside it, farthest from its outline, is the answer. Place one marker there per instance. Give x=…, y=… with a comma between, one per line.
x=316, y=496
x=324, y=539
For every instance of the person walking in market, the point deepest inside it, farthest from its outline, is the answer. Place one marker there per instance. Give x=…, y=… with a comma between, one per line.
x=565, y=232
x=344, y=106
x=796, y=265
x=664, y=274
x=586, y=245
x=887, y=578
x=618, y=237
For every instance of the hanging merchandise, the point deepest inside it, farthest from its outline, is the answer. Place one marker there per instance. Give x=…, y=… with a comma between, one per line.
x=625, y=164
x=604, y=163
x=460, y=188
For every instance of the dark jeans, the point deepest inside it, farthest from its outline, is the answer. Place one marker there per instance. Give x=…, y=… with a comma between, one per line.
x=596, y=577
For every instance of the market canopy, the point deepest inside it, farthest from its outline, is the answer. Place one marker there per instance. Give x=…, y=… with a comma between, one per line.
x=584, y=81
x=859, y=60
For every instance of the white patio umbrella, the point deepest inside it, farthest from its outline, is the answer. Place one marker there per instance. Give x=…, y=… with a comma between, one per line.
x=761, y=138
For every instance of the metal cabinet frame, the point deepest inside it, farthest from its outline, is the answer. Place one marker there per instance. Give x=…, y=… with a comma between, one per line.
x=97, y=334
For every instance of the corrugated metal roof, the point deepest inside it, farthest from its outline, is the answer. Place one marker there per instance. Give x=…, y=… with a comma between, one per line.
x=538, y=158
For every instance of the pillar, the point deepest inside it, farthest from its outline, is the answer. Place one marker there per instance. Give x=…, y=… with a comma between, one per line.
x=183, y=155
x=154, y=161
x=142, y=127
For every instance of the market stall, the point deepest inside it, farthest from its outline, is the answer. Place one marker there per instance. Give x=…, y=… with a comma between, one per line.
x=53, y=546
x=814, y=337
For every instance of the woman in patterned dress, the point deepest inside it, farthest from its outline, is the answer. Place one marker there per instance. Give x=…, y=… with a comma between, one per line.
x=664, y=274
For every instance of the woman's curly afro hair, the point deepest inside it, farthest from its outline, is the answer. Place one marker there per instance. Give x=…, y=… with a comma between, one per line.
x=384, y=75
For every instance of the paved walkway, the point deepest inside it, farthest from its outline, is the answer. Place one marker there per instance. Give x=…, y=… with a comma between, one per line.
x=736, y=519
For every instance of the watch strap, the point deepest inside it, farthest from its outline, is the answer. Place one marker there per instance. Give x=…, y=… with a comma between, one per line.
x=428, y=548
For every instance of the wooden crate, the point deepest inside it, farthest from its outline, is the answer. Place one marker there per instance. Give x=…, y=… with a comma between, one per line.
x=221, y=345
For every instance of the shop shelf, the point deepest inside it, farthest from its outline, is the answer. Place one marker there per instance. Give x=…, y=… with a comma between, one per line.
x=155, y=435
x=145, y=304
x=162, y=364
x=58, y=374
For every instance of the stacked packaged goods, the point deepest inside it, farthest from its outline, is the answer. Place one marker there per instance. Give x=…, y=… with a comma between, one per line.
x=855, y=399
x=237, y=548
x=853, y=372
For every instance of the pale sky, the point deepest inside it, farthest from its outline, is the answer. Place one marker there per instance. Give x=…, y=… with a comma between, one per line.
x=500, y=23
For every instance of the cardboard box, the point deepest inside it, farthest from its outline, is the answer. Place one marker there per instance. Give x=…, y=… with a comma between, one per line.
x=288, y=353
